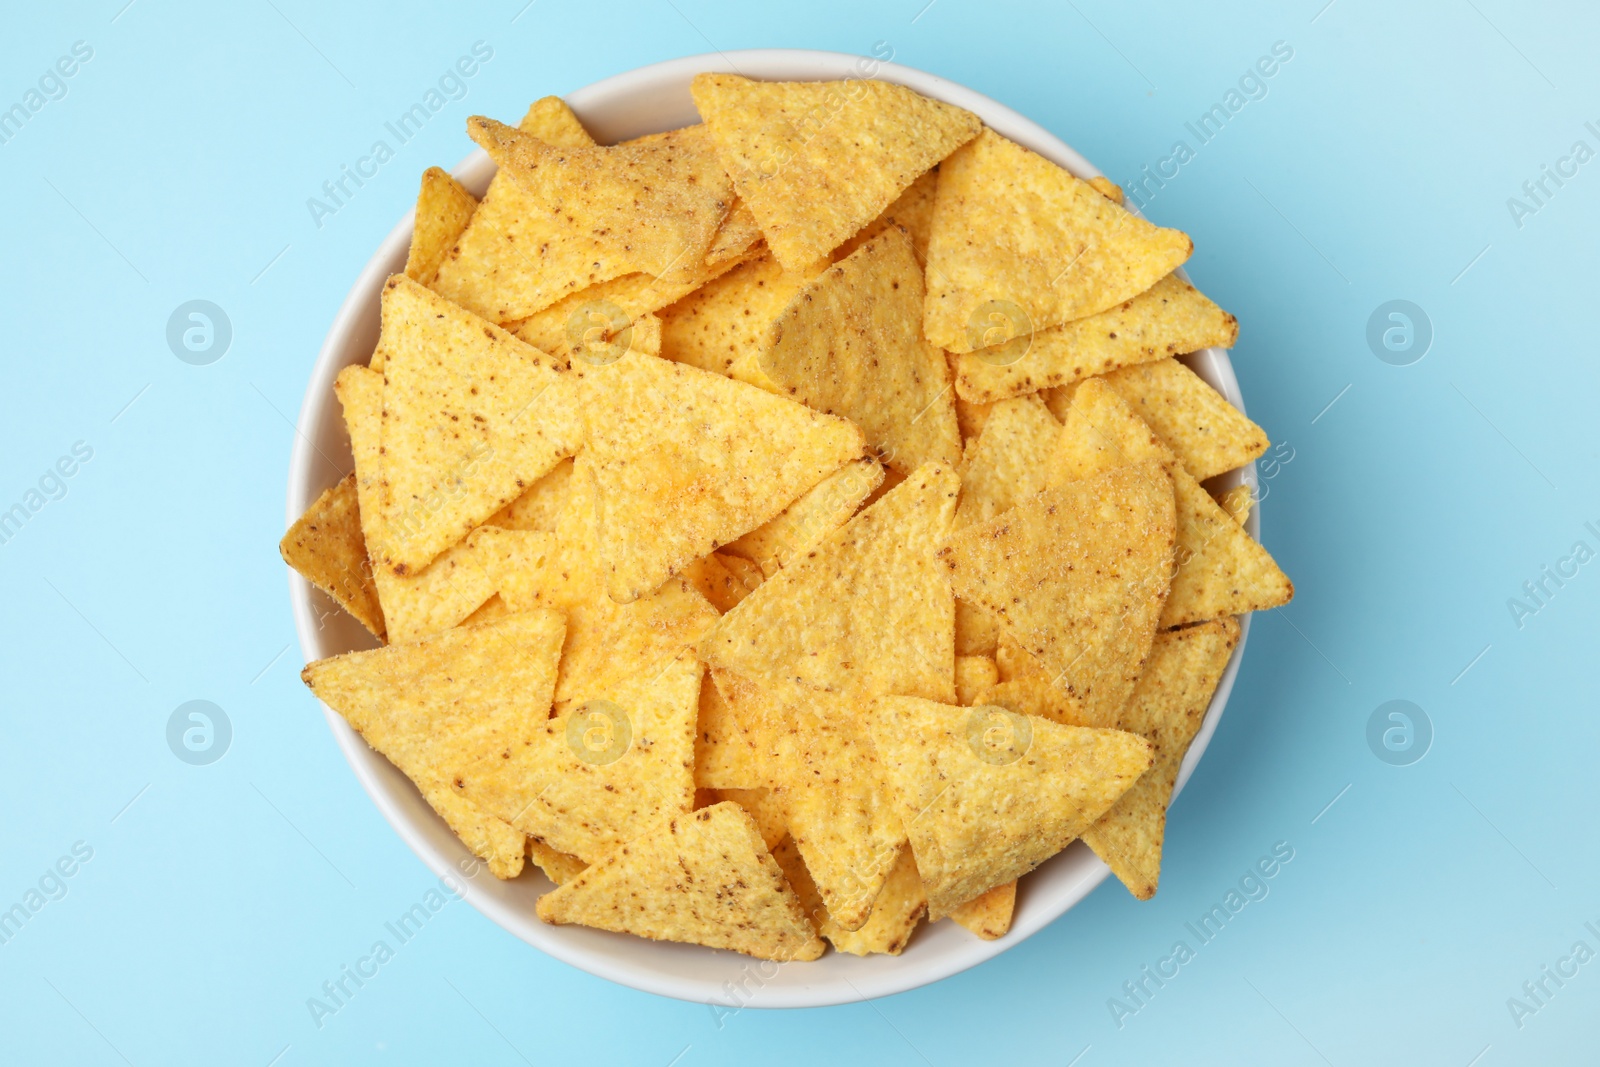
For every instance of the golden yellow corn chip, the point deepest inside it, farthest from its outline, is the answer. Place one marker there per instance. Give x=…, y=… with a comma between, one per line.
x=901, y=904
x=602, y=770
x=444, y=207
x=815, y=514
x=1059, y=400
x=446, y=591
x=989, y=913
x=1006, y=464
x=559, y=867
x=743, y=571
x=1077, y=575
x=608, y=308
x=326, y=547
x=434, y=704
x=488, y=611
x=848, y=345
x=684, y=461
x=471, y=418
x=1107, y=188
x=538, y=506
x=1020, y=245
x=988, y=795
x=723, y=757
x=1220, y=569
x=1236, y=501
x=817, y=161
x=974, y=675
x=977, y=631
x=652, y=206
x=1168, y=319
x=1206, y=433
x=739, y=231
x=765, y=807
x=1167, y=707
x=730, y=316
x=711, y=578
x=703, y=878
x=493, y=268
x=868, y=611
x=912, y=211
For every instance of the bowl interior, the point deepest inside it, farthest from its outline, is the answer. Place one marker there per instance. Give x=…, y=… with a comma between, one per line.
x=645, y=101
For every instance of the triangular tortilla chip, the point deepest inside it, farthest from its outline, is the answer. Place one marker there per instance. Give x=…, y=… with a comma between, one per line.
x=446, y=591
x=739, y=231
x=723, y=758
x=711, y=578
x=539, y=505
x=1015, y=234
x=1206, y=433
x=447, y=699
x=989, y=913
x=471, y=418
x=1077, y=576
x=730, y=316
x=815, y=514
x=900, y=905
x=848, y=344
x=868, y=611
x=493, y=270
x=601, y=771
x=765, y=806
x=1221, y=569
x=977, y=631
x=557, y=866
x=1169, y=318
x=444, y=207
x=326, y=547
x=1167, y=707
x=704, y=878
x=987, y=796
x=652, y=206
x=684, y=461
x=1028, y=688
x=817, y=161
x=1007, y=462
x=1235, y=501
x=912, y=211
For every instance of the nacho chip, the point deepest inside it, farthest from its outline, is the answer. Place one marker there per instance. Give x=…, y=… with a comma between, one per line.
x=912, y=211
x=1206, y=433
x=488, y=611
x=989, y=913
x=596, y=775
x=1059, y=400
x=1167, y=708
x=1236, y=501
x=1077, y=575
x=557, y=866
x=723, y=758
x=868, y=611
x=1169, y=318
x=326, y=547
x=815, y=514
x=493, y=268
x=901, y=904
x=616, y=302
x=738, y=232
x=1008, y=461
x=445, y=592
x=730, y=316
x=652, y=206
x=1221, y=570
x=743, y=571
x=764, y=806
x=977, y=631
x=974, y=674
x=471, y=418
x=683, y=461
x=1029, y=689
x=987, y=796
x=1018, y=236
x=539, y=505
x=817, y=161
x=1106, y=188
x=447, y=699
x=444, y=207
x=848, y=345
x=712, y=579
x=703, y=878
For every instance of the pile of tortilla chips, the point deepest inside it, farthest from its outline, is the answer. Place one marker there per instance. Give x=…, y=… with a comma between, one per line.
x=789, y=528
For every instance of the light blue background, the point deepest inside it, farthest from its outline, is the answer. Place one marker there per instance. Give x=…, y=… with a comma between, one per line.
x=1378, y=166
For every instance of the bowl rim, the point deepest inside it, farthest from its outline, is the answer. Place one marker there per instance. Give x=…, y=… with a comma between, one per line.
x=637, y=966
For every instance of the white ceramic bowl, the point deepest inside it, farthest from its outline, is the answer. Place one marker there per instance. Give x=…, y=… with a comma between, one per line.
x=644, y=101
